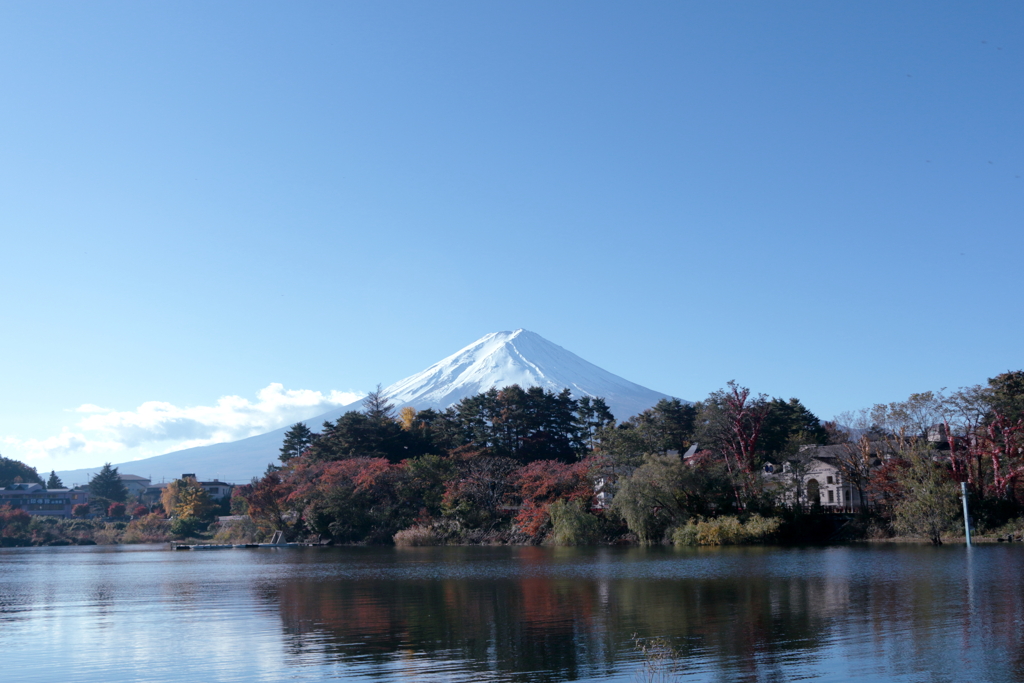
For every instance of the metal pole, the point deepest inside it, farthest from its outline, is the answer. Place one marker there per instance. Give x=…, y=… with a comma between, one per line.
x=967, y=519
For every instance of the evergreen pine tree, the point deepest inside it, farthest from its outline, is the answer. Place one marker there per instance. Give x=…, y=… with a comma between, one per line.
x=296, y=440
x=107, y=484
x=788, y=424
x=377, y=407
x=592, y=415
x=54, y=481
x=1006, y=392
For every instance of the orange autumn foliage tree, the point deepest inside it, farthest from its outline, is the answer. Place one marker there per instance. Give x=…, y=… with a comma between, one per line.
x=541, y=483
x=353, y=500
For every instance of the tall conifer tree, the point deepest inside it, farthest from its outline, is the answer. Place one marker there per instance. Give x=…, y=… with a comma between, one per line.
x=296, y=440
x=107, y=484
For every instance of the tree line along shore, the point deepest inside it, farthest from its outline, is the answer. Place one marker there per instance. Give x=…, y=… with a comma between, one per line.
x=529, y=466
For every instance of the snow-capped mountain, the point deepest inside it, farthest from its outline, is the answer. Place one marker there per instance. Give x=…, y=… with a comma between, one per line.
x=522, y=357
x=497, y=360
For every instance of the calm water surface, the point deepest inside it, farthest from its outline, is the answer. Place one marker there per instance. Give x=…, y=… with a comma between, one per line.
x=511, y=614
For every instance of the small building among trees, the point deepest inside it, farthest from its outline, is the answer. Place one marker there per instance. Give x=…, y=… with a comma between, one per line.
x=842, y=477
x=36, y=499
x=135, y=484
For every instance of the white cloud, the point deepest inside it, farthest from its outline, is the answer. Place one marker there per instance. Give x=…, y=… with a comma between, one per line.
x=161, y=427
x=64, y=445
x=90, y=408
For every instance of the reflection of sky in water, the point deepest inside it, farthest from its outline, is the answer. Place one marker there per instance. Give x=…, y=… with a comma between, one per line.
x=537, y=614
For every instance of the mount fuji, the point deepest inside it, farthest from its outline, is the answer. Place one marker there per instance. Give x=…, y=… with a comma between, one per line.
x=497, y=360
x=522, y=357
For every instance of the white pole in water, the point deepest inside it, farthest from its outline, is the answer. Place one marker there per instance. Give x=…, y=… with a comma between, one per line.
x=967, y=519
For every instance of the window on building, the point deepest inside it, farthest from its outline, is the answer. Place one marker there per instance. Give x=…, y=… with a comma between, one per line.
x=831, y=495
x=829, y=480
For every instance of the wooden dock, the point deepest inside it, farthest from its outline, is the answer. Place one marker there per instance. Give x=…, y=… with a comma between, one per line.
x=276, y=541
x=229, y=546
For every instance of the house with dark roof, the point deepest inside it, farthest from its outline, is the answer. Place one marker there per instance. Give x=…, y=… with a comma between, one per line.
x=135, y=484
x=835, y=477
x=217, y=488
x=36, y=499
x=826, y=476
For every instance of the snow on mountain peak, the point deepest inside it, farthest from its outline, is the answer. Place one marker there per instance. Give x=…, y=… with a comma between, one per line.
x=495, y=360
x=521, y=357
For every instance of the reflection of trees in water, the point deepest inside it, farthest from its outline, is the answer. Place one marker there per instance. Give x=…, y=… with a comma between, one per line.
x=565, y=628
x=743, y=624
x=533, y=625
x=752, y=626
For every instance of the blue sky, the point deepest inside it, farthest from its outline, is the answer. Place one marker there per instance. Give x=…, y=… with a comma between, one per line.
x=202, y=201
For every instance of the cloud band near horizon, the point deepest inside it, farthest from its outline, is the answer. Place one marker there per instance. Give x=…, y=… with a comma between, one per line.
x=158, y=423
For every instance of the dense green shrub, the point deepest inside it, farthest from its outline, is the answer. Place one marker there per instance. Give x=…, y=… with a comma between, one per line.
x=43, y=530
x=237, y=531
x=572, y=524
x=726, y=531
x=107, y=535
x=664, y=492
x=930, y=505
x=685, y=535
x=416, y=535
x=239, y=505
x=758, y=529
x=183, y=527
x=149, y=529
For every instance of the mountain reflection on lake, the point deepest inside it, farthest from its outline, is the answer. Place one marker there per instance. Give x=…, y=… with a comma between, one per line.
x=529, y=614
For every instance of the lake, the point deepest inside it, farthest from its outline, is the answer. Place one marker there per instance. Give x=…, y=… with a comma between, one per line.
x=861, y=613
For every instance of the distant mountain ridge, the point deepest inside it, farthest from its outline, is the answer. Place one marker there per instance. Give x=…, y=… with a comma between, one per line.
x=496, y=360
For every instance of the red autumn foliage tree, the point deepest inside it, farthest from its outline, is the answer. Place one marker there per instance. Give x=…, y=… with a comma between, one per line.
x=746, y=418
x=352, y=500
x=884, y=487
x=481, y=494
x=731, y=425
x=116, y=510
x=268, y=504
x=541, y=483
x=961, y=458
x=986, y=451
x=1002, y=442
x=13, y=522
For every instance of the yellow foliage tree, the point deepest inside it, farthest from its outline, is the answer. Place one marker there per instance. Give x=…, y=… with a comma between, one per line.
x=407, y=416
x=186, y=498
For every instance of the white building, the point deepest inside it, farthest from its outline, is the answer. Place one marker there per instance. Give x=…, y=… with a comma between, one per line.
x=135, y=484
